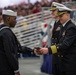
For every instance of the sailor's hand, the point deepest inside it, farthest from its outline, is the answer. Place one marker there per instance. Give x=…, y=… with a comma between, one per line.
x=37, y=51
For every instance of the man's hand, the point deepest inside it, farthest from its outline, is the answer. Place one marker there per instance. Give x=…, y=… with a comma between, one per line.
x=44, y=50
x=17, y=73
x=37, y=51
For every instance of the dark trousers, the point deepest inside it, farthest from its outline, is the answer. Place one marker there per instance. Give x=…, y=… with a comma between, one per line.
x=6, y=73
x=55, y=69
x=68, y=73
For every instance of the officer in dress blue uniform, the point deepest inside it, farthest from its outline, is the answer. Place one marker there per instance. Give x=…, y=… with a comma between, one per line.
x=55, y=35
x=66, y=46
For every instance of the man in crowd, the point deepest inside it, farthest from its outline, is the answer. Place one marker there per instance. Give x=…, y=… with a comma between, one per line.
x=66, y=46
x=9, y=45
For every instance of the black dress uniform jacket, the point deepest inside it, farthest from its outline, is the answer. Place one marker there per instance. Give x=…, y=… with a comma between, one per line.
x=67, y=47
x=55, y=37
x=9, y=47
x=55, y=32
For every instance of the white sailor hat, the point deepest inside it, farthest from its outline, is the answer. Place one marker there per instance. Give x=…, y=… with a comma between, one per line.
x=55, y=4
x=63, y=10
x=9, y=12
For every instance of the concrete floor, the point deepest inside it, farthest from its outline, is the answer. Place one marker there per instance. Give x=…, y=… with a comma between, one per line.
x=30, y=66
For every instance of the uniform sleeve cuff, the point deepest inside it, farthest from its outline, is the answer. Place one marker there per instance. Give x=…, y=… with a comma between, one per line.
x=50, y=51
x=53, y=49
x=16, y=71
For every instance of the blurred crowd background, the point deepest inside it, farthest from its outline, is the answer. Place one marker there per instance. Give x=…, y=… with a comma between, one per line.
x=24, y=9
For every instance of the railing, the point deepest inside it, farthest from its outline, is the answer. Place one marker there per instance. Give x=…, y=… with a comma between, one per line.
x=28, y=29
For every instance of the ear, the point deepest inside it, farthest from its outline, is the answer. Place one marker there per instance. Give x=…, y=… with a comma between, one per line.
x=67, y=14
x=8, y=19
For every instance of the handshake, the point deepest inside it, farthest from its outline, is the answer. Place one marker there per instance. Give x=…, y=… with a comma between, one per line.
x=37, y=51
x=40, y=51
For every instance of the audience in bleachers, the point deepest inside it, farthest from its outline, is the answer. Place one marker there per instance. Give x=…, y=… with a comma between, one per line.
x=24, y=9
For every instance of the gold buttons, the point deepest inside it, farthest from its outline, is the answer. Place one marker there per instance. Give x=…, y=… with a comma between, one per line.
x=58, y=55
x=61, y=55
x=55, y=38
x=57, y=47
x=55, y=43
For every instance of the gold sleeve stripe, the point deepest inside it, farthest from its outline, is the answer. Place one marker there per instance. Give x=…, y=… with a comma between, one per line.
x=54, y=49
